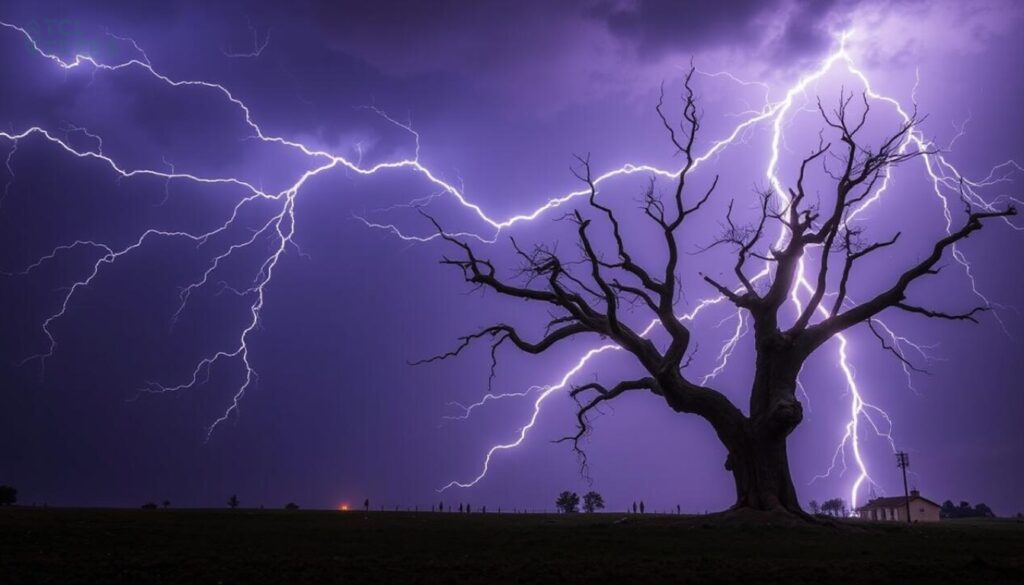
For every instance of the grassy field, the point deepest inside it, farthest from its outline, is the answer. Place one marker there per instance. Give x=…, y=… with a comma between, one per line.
x=251, y=546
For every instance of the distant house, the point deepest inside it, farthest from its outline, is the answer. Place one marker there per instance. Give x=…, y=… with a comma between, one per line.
x=895, y=509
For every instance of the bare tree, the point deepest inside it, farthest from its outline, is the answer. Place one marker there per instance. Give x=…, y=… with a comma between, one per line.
x=589, y=300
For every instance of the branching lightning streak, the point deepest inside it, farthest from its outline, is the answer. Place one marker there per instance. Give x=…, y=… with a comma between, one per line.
x=280, y=230
x=728, y=347
x=257, y=46
x=776, y=112
x=468, y=409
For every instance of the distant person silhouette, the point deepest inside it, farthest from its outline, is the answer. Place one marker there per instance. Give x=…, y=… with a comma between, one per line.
x=641, y=506
x=460, y=508
x=441, y=507
x=366, y=504
x=634, y=507
x=679, y=509
x=467, y=509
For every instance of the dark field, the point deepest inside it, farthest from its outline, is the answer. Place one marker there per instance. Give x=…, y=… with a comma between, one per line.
x=207, y=546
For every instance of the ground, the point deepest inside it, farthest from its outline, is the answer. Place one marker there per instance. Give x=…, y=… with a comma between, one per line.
x=253, y=546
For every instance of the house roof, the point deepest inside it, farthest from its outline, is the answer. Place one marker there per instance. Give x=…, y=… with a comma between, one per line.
x=893, y=502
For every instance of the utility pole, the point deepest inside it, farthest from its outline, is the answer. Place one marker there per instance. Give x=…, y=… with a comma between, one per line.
x=903, y=461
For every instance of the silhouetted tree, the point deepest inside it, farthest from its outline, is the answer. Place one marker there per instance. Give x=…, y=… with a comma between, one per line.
x=983, y=511
x=166, y=504
x=948, y=510
x=965, y=510
x=586, y=297
x=8, y=495
x=149, y=506
x=834, y=507
x=233, y=502
x=592, y=501
x=568, y=502
x=815, y=508
x=291, y=506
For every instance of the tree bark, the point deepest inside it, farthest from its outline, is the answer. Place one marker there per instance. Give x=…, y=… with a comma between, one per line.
x=757, y=449
x=760, y=468
x=757, y=444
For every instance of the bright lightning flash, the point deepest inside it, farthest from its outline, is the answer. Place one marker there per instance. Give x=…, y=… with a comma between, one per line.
x=279, y=231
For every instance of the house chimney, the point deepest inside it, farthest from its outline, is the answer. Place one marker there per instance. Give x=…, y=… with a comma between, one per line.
x=914, y=493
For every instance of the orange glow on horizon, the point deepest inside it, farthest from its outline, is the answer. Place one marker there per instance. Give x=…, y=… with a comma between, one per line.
x=343, y=508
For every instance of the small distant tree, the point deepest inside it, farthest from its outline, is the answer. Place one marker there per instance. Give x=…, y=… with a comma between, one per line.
x=290, y=506
x=568, y=502
x=815, y=508
x=149, y=506
x=834, y=507
x=592, y=501
x=8, y=495
x=166, y=504
x=965, y=510
x=233, y=501
x=948, y=510
x=983, y=511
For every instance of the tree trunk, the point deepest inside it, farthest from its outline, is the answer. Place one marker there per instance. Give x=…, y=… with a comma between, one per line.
x=756, y=443
x=757, y=449
x=760, y=468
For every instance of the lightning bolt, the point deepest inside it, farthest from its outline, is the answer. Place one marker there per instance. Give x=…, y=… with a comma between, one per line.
x=279, y=230
x=257, y=46
x=944, y=177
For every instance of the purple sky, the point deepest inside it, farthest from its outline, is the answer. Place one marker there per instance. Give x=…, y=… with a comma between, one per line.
x=501, y=96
